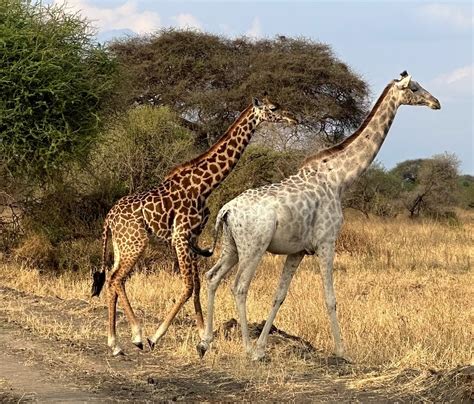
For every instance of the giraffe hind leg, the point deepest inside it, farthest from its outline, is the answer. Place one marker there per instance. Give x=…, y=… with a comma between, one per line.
x=112, y=309
x=116, y=286
x=226, y=262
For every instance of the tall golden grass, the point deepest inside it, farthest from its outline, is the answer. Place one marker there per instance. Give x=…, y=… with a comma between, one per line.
x=404, y=297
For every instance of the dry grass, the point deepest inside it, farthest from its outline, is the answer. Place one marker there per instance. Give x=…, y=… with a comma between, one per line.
x=404, y=292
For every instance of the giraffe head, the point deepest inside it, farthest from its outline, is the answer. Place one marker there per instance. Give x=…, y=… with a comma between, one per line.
x=411, y=93
x=268, y=111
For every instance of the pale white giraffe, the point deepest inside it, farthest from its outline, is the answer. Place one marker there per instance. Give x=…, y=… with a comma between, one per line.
x=300, y=216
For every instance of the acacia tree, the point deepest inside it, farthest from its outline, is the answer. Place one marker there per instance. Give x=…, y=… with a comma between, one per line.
x=53, y=79
x=208, y=79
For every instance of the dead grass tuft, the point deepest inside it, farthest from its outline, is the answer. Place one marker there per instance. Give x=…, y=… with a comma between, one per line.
x=352, y=240
x=36, y=251
x=455, y=385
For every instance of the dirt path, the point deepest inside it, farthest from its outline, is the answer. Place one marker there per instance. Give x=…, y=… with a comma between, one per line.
x=23, y=381
x=44, y=357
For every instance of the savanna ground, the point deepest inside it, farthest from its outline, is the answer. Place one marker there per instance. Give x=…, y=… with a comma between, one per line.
x=404, y=291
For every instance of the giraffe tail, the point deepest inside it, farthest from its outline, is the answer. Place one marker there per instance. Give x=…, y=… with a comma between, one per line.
x=98, y=277
x=221, y=217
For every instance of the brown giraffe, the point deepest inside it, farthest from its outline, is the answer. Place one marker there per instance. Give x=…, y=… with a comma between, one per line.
x=175, y=211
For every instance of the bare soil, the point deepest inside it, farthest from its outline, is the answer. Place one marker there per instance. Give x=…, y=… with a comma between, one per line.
x=37, y=367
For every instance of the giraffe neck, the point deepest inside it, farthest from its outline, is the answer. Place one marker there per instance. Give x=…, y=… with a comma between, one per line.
x=209, y=169
x=349, y=159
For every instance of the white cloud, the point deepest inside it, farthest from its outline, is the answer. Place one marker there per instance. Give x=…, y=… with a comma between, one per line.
x=458, y=16
x=124, y=16
x=255, y=30
x=456, y=83
x=188, y=21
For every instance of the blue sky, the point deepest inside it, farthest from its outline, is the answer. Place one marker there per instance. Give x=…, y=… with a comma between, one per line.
x=433, y=41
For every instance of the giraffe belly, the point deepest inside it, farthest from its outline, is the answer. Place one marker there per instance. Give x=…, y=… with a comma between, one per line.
x=287, y=241
x=281, y=247
x=293, y=230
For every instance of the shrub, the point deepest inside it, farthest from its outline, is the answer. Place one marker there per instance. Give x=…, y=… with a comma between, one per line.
x=140, y=148
x=36, y=251
x=54, y=81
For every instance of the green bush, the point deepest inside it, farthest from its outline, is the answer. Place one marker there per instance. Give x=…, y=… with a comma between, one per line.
x=54, y=80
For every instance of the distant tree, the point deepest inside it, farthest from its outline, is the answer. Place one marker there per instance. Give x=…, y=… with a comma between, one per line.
x=466, y=186
x=376, y=191
x=407, y=171
x=53, y=82
x=434, y=190
x=208, y=79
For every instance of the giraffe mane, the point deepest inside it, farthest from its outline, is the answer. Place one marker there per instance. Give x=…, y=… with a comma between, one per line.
x=213, y=148
x=347, y=141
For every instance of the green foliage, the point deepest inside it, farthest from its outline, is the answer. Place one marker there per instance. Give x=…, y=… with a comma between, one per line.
x=209, y=79
x=134, y=154
x=407, y=171
x=466, y=191
x=53, y=80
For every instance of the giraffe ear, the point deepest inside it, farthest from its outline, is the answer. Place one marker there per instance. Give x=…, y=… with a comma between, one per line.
x=256, y=102
x=404, y=82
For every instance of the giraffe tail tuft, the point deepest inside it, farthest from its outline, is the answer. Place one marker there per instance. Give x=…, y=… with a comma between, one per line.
x=221, y=217
x=200, y=251
x=98, y=282
x=98, y=277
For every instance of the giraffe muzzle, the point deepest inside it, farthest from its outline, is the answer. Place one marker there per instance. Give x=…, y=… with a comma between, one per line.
x=434, y=104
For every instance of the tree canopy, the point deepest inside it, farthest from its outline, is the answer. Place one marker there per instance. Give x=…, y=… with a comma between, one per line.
x=431, y=185
x=53, y=81
x=209, y=79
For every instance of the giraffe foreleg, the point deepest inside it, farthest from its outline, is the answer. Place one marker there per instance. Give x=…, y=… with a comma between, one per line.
x=196, y=296
x=326, y=259
x=185, y=266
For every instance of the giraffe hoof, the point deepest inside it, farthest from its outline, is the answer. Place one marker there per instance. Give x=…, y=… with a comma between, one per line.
x=151, y=344
x=260, y=358
x=117, y=352
x=201, y=350
x=139, y=345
